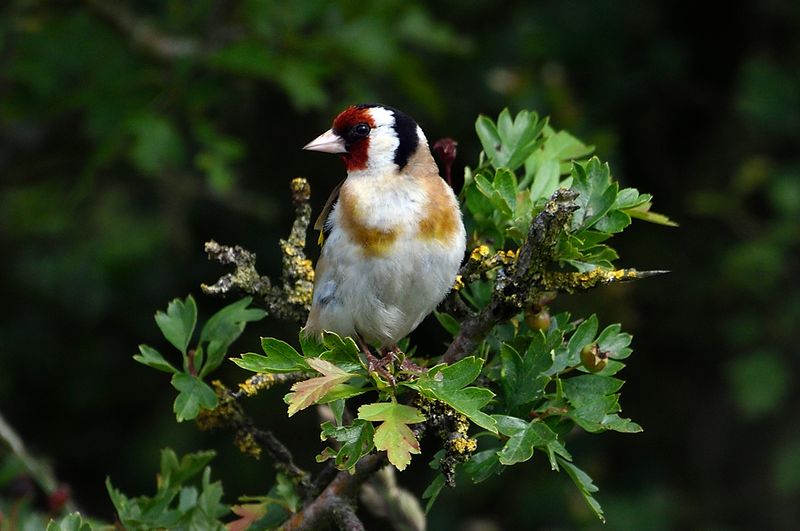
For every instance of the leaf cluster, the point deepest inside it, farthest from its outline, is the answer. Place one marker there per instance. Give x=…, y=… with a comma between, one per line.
x=176, y=503
x=177, y=324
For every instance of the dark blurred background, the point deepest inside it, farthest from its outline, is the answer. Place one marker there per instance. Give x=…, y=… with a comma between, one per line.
x=131, y=132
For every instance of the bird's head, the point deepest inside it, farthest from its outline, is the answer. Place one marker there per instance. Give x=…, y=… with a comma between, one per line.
x=371, y=137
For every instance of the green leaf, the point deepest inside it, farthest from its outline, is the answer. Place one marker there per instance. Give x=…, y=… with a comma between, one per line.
x=393, y=434
x=613, y=222
x=70, y=522
x=545, y=181
x=153, y=358
x=310, y=345
x=505, y=191
x=342, y=392
x=280, y=357
x=582, y=336
x=489, y=137
x=523, y=379
x=432, y=491
x=194, y=394
x=482, y=465
x=629, y=198
x=596, y=404
x=484, y=185
x=355, y=441
x=597, y=192
x=585, y=485
x=614, y=343
x=178, y=323
x=524, y=437
x=309, y=392
x=643, y=212
x=448, y=384
x=448, y=322
x=222, y=329
x=342, y=352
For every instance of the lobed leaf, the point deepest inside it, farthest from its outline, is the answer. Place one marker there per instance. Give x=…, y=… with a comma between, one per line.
x=393, y=434
x=177, y=324
x=311, y=391
x=194, y=395
x=355, y=441
x=448, y=384
x=280, y=358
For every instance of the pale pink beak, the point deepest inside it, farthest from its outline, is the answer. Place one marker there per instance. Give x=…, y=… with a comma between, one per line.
x=327, y=142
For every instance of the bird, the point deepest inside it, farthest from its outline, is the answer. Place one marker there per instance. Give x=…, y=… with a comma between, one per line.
x=395, y=234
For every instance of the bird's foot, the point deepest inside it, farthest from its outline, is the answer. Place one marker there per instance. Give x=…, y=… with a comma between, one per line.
x=376, y=365
x=397, y=356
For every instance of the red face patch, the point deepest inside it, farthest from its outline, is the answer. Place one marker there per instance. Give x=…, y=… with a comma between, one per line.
x=357, y=150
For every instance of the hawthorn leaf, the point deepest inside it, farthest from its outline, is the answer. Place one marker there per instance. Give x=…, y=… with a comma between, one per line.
x=355, y=441
x=482, y=465
x=342, y=352
x=585, y=485
x=595, y=403
x=177, y=324
x=448, y=322
x=448, y=384
x=280, y=357
x=309, y=392
x=194, y=395
x=643, y=212
x=524, y=437
x=432, y=491
x=153, y=358
x=523, y=379
x=222, y=329
x=393, y=434
x=582, y=336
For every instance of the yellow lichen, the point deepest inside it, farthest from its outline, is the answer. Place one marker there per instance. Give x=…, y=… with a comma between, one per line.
x=464, y=446
x=246, y=443
x=222, y=415
x=256, y=383
x=479, y=253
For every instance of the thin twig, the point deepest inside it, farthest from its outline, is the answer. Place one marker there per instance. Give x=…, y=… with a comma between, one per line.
x=40, y=472
x=144, y=34
x=291, y=300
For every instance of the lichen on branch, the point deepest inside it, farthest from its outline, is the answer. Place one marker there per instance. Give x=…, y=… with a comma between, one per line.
x=291, y=299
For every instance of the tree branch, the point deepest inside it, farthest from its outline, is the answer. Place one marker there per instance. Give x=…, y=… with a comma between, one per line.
x=515, y=282
x=327, y=507
x=250, y=439
x=143, y=34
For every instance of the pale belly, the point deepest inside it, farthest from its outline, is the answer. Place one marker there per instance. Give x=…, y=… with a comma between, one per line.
x=382, y=298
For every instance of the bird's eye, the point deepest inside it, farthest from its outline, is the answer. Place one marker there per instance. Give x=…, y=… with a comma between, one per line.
x=361, y=129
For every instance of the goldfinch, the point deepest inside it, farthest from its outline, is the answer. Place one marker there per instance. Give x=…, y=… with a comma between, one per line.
x=395, y=234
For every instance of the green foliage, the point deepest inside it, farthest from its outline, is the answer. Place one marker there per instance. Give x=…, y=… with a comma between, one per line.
x=70, y=522
x=524, y=388
x=177, y=325
x=526, y=161
x=177, y=504
x=355, y=441
x=448, y=383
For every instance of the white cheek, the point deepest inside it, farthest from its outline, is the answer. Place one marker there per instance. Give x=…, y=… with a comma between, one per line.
x=381, y=150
